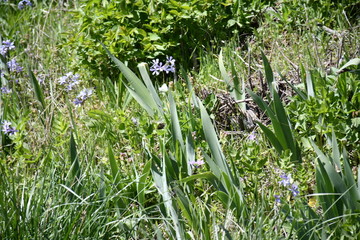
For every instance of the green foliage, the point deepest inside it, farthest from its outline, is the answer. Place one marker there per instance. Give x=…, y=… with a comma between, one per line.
x=282, y=138
x=158, y=167
x=136, y=31
x=329, y=103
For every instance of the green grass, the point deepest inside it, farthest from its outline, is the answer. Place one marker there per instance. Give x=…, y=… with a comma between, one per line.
x=134, y=162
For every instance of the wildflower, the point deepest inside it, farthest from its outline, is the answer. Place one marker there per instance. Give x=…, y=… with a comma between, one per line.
x=41, y=78
x=252, y=136
x=277, y=198
x=294, y=190
x=163, y=88
x=169, y=65
x=135, y=121
x=62, y=80
x=286, y=180
x=6, y=46
x=82, y=96
x=7, y=129
x=158, y=66
x=5, y=90
x=70, y=80
x=14, y=66
x=24, y=3
x=196, y=163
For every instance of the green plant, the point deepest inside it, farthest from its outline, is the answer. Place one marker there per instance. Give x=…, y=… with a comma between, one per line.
x=142, y=30
x=329, y=103
x=282, y=138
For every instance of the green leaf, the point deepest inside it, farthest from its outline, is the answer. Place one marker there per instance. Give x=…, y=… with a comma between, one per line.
x=268, y=72
x=146, y=78
x=116, y=177
x=206, y=175
x=37, y=89
x=161, y=184
x=309, y=85
x=352, y=62
x=272, y=138
x=139, y=91
x=141, y=183
x=224, y=74
x=214, y=145
x=175, y=125
x=74, y=160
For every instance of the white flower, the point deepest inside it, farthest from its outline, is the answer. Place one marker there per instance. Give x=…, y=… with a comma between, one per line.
x=164, y=88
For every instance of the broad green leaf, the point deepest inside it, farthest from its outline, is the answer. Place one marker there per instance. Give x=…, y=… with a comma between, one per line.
x=190, y=151
x=225, y=75
x=146, y=78
x=309, y=85
x=37, y=89
x=138, y=89
x=268, y=72
x=141, y=183
x=274, y=119
x=212, y=140
x=272, y=138
x=161, y=184
x=190, y=87
x=175, y=124
x=206, y=175
x=286, y=128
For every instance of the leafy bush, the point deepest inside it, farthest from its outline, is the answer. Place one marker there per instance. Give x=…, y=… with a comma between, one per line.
x=140, y=30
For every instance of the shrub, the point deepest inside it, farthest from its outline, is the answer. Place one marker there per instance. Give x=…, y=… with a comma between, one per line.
x=141, y=30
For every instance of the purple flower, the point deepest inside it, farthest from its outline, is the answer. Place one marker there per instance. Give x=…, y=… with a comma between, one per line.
x=286, y=179
x=70, y=80
x=41, y=78
x=170, y=60
x=252, y=136
x=294, y=190
x=169, y=65
x=196, y=163
x=82, y=96
x=157, y=67
x=78, y=101
x=277, y=198
x=7, y=129
x=14, y=66
x=5, y=90
x=24, y=3
x=6, y=46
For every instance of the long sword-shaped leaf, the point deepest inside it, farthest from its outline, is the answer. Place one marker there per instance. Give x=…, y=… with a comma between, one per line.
x=272, y=138
x=175, y=125
x=225, y=76
x=309, y=85
x=146, y=78
x=74, y=160
x=274, y=120
x=161, y=184
x=286, y=128
x=37, y=89
x=268, y=72
x=116, y=176
x=143, y=95
x=214, y=145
